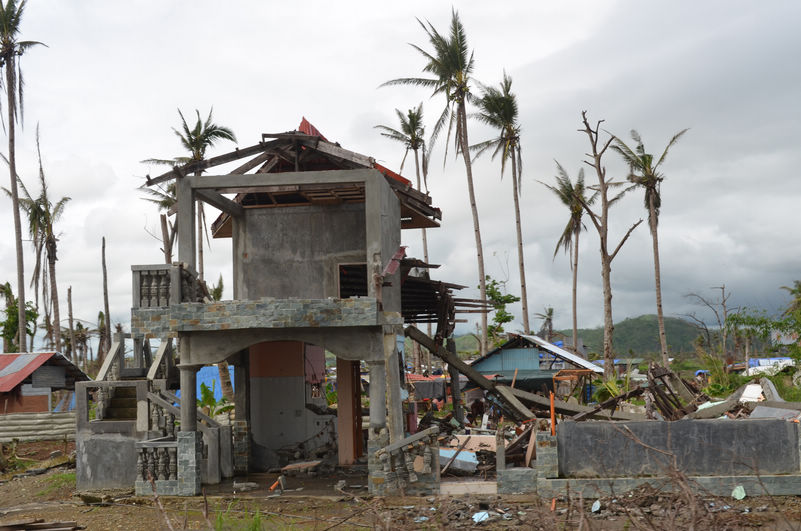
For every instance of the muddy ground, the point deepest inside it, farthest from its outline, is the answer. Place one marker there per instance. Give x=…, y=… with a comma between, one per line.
x=314, y=503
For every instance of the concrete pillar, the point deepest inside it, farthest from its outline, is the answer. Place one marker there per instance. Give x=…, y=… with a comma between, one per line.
x=378, y=396
x=394, y=406
x=186, y=221
x=348, y=407
x=188, y=397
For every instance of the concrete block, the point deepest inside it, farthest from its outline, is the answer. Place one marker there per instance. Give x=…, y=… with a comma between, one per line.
x=519, y=480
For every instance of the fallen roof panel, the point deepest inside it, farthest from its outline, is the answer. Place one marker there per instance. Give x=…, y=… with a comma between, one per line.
x=565, y=355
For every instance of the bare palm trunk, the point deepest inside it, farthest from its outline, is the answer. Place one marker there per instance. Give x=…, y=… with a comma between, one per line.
x=521, y=263
x=418, y=351
x=482, y=280
x=73, y=347
x=166, y=240
x=200, y=240
x=11, y=87
x=51, y=266
x=575, y=290
x=107, y=331
x=660, y=319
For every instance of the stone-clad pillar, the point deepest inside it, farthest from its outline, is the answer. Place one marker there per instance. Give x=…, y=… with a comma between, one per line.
x=378, y=394
x=394, y=406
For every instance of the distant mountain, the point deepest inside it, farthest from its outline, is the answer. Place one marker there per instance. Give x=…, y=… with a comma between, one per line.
x=640, y=335
x=636, y=336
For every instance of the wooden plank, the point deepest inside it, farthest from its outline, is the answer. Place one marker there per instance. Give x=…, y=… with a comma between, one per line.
x=564, y=408
x=336, y=151
x=193, y=167
x=252, y=163
x=221, y=202
x=532, y=443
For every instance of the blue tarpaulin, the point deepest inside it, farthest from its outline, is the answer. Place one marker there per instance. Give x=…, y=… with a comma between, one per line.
x=211, y=377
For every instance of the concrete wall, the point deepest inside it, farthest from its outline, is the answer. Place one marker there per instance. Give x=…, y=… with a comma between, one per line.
x=105, y=460
x=294, y=251
x=701, y=447
x=279, y=392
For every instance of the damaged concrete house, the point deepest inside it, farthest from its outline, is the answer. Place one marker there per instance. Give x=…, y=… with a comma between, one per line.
x=317, y=265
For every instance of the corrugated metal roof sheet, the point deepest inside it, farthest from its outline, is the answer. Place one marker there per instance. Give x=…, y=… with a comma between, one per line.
x=14, y=368
x=562, y=353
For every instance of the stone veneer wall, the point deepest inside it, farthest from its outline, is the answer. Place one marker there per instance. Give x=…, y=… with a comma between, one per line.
x=263, y=313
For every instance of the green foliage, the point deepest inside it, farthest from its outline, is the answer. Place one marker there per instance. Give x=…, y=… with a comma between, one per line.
x=330, y=394
x=216, y=291
x=611, y=388
x=758, y=324
x=211, y=404
x=721, y=382
x=784, y=385
x=498, y=299
x=10, y=324
x=58, y=481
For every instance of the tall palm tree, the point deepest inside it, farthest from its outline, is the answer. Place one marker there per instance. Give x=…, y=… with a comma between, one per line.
x=497, y=107
x=11, y=50
x=412, y=135
x=573, y=196
x=198, y=138
x=42, y=215
x=450, y=64
x=644, y=173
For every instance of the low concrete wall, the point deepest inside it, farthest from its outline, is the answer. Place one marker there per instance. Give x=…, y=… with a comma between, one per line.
x=37, y=426
x=699, y=447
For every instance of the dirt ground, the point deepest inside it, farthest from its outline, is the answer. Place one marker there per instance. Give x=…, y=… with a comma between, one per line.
x=313, y=503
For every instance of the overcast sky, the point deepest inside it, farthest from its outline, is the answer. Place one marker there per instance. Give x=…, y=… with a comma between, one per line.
x=106, y=89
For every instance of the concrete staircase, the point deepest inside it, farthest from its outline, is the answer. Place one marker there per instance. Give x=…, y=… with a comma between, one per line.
x=123, y=405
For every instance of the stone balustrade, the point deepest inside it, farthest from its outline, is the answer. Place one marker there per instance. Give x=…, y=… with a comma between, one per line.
x=409, y=466
x=160, y=285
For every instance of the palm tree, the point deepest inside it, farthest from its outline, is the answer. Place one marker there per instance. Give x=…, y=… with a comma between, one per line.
x=165, y=198
x=546, y=330
x=572, y=195
x=10, y=51
x=451, y=64
x=411, y=135
x=42, y=215
x=795, y=291
x=498, y=108
x=644, y=173
x=195, y=140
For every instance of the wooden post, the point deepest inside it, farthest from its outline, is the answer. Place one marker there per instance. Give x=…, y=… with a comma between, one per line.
x=394, y=406
x=456, y=391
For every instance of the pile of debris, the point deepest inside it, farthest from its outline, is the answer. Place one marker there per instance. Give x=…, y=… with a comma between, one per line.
x=666, y=395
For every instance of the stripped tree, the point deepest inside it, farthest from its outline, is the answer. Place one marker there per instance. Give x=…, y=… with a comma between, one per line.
x=600, y=221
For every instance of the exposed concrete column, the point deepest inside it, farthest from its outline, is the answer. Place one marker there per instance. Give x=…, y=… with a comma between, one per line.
x=186, y=221
x=378, y=396
x=394, y=406
x=188, y=397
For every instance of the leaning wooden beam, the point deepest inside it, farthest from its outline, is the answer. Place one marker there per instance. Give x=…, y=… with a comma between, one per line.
x=192, y=167
x=252, y=163
x=564, y=408
x=501, y=391
x=611, y=403
x=220, y=201
x=332, y=149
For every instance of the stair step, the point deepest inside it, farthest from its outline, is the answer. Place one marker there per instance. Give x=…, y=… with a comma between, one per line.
x=123, y=402
x=120, y=413
x=125, y=392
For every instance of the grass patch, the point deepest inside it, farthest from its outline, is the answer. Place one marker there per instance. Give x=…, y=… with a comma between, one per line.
x=57, y=482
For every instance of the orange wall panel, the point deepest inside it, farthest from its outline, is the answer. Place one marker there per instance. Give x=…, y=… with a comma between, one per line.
x=276, y=359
